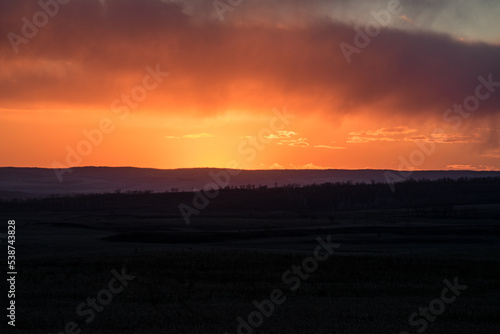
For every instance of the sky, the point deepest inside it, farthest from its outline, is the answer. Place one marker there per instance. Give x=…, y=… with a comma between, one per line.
x=257, y=84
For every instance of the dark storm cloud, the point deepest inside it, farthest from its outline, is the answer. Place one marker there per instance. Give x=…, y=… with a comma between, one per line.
x=90, y=52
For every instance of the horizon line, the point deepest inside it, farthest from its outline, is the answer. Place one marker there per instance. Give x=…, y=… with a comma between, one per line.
x=264, y=169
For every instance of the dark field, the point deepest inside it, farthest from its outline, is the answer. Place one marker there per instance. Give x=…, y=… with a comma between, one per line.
x=205, y=292
x=395, y=250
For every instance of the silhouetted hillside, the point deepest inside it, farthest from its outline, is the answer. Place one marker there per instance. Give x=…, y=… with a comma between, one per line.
x=33, y=182
x=436, y=198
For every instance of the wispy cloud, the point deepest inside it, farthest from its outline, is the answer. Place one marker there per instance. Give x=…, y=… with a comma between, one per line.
x=410, y=135
x=307, y=166
x=276, y=166
x=282, y=134
x=299, y=142
x=383, y=134
x=455, y=138
x=471, y=167
x=330, y=147
x=288, y=138
x=367, y=139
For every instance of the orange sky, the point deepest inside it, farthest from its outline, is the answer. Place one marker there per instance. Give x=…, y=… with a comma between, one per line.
x=165, y=85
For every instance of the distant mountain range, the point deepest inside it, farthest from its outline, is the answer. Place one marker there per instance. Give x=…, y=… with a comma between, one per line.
x=36, y=182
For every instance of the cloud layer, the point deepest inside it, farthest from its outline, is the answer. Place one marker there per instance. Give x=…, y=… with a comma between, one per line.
x=90, y=53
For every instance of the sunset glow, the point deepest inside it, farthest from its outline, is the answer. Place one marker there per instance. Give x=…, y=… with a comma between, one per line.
x=167, y=84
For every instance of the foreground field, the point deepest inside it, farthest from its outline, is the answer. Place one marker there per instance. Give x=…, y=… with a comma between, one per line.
x=205, y=292
x=424, y=259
